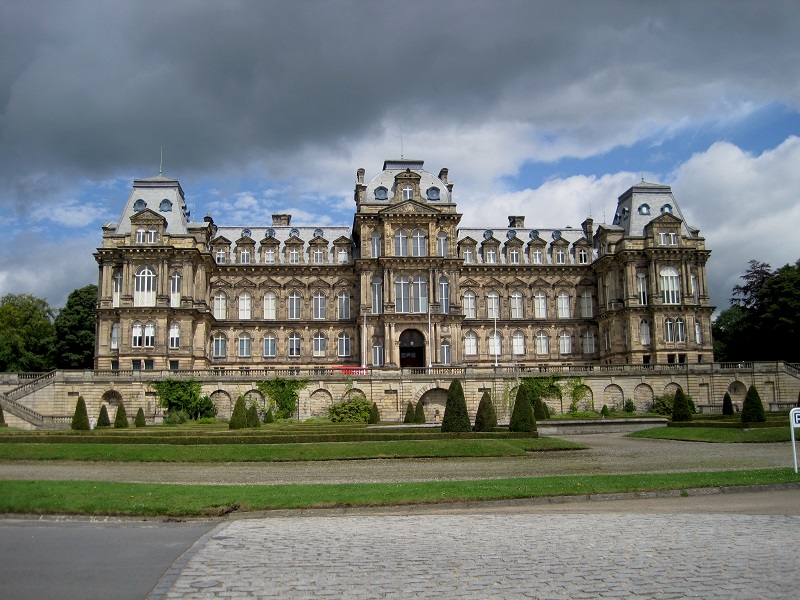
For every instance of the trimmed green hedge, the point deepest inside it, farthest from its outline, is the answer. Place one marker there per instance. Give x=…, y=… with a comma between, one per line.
x=728, y=424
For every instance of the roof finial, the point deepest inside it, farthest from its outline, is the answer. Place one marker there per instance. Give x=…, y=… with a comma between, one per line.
x=161, y=162
x=642, y=172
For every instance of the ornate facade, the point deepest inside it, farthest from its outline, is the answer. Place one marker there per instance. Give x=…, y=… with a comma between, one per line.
x=404, y=287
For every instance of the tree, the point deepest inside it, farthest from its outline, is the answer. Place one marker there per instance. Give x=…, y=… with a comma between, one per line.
x=486, y=417
x=284, y=393
x=419, y=413
x=184, y=394
x=409, y=418
x=2, y=418
x=268, y=416
x=727, y=404
x=75, y=330
x=140, y=421
x=374, y=414
x=102, y=419
x=252, y=417
x=26, y=333
x=540, y=411
x=522, y=419
x=680, y=408
x=239, y=415
x=753, y=408
x=456, y=417
x=355, y=409
x=80, y=420
x=121, y=418
x=729, y=331
x=604, y=411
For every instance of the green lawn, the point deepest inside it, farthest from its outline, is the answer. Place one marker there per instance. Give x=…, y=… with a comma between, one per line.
x=100, y=498
x=714, y=434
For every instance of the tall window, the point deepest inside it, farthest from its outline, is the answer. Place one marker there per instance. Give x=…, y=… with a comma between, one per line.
x=444, y=295
x=467, y=256
x=116, y=289
x=402, y=295
x=294, y=256
x=375, y=245
x=587, y=310
x=245, y=305
x=175, y=290
x=644, y=332
x=244, y=345
x=270, y=347
x=420, y=294
x=680, y=330
x=244, y=256
x=563, y=305
x=669, y=330
x=174, y=336
x=144, y=287
x=470, y=312
x=136, y=335
x=220, y=256
x=668, y=238
x=470, y=343
x=495, y=343
x=377, y=354
x=342, y=256
x=293, y=306
x=588, y=342
x=270, y=306
x=541, y=343
x=694, y=289
x=115, y=336
x=377, y=295
x=489, y=256
x=269, y=256
x=419, y=243
x=670, y=285
x=408, y=192
x=319, y=256
x=492, y=305
x=583, y=257
x=141, y=236
x=343, y=305
x=319, y=306
x=517, y=305
x=400, y=243
x=561, y=256
x=539, y=305
x=219, y=346
x=149, y=335
x=320, y=344
x=343, y=344
x=220, y=305
x=564, y=343
x=444, y=353
x=641, y=288
x=536, y=256
x=698, y=333
x=294, y=344
x=518, y=343
x=441, y=244
x=513, y=256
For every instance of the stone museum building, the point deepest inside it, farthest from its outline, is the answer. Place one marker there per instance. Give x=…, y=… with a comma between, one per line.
x=404, y=286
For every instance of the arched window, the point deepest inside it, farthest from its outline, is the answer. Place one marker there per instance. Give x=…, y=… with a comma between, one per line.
x=588, y=342
x=420, y=294
x=174, y=336
x=680, y=330
x=470, y=311
x=444, y=295
x=244, y=345
x=402, y=295
x=149, y=335
x=165, y=206
x=137, y=333
x=419, y=243
x=670, y=285
x=400, y=243
x=377, y=295
x=563, y=305
x=144, y=287
x=294, y=344
x=518, y=343
x=343, y=345
x=175, y=290
x=669, y=330
x=220, y=305
x=539, y=305
x=564, y=343
x=116, y=289
x=517, y=305
x=270, y=306
x=644, y=332
x=139, y=205
x=492, y=305
x=245, y=306
x=444, y=353
x=293, y=306
x=343, y=305
x=587, y=307
x=115, y=336
x=377, y=354
x=319, y=306
x=495, y=343
x=470, y=343
x=320, y=344
x=441, y=244
x=542, y=346
x=270, y=346
x=408, y=192
x=219, y=345
x=375, y=244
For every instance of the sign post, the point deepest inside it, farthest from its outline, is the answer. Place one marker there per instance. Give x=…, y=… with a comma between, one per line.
x=794, y=423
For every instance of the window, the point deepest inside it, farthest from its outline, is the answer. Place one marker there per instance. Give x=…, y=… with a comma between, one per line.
x=644, y=209
x=165, y=206
x=587, y=307
x=408, y=192
x=467, y=256
x=489, y=256
x=420, y=294
x=115, y=336
x=174, y=365
x=470, y=343
x=641, y=288
x=402, y=295
x=343, y=344
x=441, y=244
x=444, y=295
x=294, y=256
x=698, y=333
x=270, y=306
x=444, y=353
x=293, y=306
x=342, y=254
x=668, y=238
x=343, y=305
x=563, y=305
x=174, y=336
x=220, y=305
x=320, y=344
x=244, y=345
x=220, y=256
x=470, y=311
x=139, y=205
x=518, y=343
x=269, y=345
x=377, y=296
x=561, y=256
x=244, y=256
x=541, y=343
x=588, y=342
x=220, y=346
x=517, y=305
x=136, y=335
x=136, y=364
x=116, y=289
x=583, y=256
x=375, y=245
x=152, y=234
x=669, y=330
x=419, y=243
x=149, y=335
x=377, y=354
x=564, y=343
x=644, y=332
x=492, y=305
x=294, y=344
x=144, y=287
x=319, y=256
x=693, y=288
x=269, y=256
x=539, y=305
x=400, y=243
x=141, y=236
x=319, y=306
x=670, y=286
x=245, y=305
x=536, y=256
x=680, y=330
x=495, y=344
x=175, y=290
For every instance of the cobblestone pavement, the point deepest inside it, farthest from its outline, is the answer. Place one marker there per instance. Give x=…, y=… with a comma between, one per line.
x=493, y=556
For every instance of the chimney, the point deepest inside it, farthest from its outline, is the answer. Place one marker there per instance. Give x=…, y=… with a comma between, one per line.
x=516, y=221
x=588, y=229
x=443, y=175
x=360, y=176
x=278, y=220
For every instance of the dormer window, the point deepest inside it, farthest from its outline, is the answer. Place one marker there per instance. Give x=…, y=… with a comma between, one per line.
x=166, y=206
x=583, y=256
x=644, y=209
x=489, y=256
x=246, y=232
x=408, y=192
x=433, y=193
x=511, y=234
x=533, y=234
x=318, y=232
x=294, y=256
x=560, y=256
x=625, y=213
x=556, y=235
x=294, y=232
x=666, y=209
x=668, y=238
x=139, y=205
x=270, y=233
x=487, y=235
x=244, y=256
x=220, y=256
x=381, y=193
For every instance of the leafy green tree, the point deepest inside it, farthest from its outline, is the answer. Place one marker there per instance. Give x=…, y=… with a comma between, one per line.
x=522, y=419
x=419, y=413
x=103, y=420
x=80, y=420
x=409, y=418
x=253, y=421
x=121, y=418
x=140, y=421
x=27, y=333
x=486, y=417
x=753, y=408
x=630, y=406
x=239, y=415
x=456, y=417
x=374, y=414
x=680, y=408
x=184, y=395
x=284, y=393
x=604, y=411
x=75, y=330
x=727, y=404
x=268, y=416
x=728, y=331
x=355, y=409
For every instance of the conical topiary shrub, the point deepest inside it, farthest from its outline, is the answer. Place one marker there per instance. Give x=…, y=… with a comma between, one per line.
x=681, y=412
x=753, y=408
x=727, y=404
x=139, y=420
x=239, y=415
x=540, y=412
x=103, y=420
x=456, y=418
x=419, y=413
x=374, y=414
x=121, y=418
x=409, y=418
x=268, y=416
x=522, y=419
x=604, y=411
x=252, y=417
x=80, y=420
x=486, y=417
x=2, y=418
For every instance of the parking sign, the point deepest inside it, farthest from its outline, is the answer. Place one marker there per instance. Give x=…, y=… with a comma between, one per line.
x=794, y=423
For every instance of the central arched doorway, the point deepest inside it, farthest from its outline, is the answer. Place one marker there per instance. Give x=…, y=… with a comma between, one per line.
x=412, y=348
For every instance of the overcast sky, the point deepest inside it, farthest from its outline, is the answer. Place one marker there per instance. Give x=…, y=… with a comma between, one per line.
x=547, y=109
